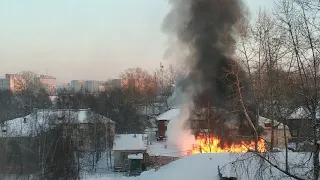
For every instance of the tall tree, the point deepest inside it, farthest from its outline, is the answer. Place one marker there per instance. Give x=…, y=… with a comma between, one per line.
x=300, y=20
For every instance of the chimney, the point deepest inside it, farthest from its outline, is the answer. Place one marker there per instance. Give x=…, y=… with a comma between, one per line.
x=24, y=120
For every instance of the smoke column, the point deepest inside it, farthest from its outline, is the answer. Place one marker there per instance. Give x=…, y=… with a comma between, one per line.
x=205, y=32
x=179, y=136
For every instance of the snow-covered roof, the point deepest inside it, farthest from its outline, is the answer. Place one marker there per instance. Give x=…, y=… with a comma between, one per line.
x=263, y=120
x=135, y=156
x=53, y=98
x=299, y=113
x=124, y=142
x=32, y=124
x=168, y=115
x=163, y=149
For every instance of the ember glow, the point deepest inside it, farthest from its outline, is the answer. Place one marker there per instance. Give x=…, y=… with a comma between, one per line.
x=212, y=144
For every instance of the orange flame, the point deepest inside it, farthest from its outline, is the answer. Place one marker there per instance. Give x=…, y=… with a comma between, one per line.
x=212, y=144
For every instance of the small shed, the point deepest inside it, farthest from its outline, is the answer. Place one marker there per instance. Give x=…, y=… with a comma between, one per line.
x=163, y=120
x=281, y=132
x=128, y=145
x=136, y=164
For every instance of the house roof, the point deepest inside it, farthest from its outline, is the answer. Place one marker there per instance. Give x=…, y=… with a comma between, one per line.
x=303, y=113
x=168, y=115
x=263, y=120
x=41, y=119
x=299, y=113
x=124, y=142
x=165, y=149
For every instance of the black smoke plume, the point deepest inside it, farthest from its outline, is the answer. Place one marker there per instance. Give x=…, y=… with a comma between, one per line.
x=208, y=30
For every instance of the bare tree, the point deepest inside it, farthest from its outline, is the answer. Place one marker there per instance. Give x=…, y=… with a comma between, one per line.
x=166, y=78
x=139, y=79
x=300, y=20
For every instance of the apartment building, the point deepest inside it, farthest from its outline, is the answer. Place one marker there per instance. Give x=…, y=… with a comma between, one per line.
x=90, y=86
x=50, y=83
x=4, y=84
x=12, y=82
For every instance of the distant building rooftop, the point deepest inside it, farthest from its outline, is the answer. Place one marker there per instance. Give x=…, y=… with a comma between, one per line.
x=47, y=77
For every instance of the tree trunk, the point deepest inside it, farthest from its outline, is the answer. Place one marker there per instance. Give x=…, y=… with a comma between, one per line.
x=315, y=146
x=286, y=144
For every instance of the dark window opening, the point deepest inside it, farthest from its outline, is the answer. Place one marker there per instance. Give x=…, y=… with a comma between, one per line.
x=267, y=125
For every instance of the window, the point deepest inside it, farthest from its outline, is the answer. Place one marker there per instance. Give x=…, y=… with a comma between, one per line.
x=125, y=159
x=126, y=162
x=267, y=124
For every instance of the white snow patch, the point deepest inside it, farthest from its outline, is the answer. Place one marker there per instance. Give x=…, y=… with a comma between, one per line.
x=163, y=149
x=113, y=176
x=53, y=98
x=263, y=120
x=169, y=115
x=300, y=113
x=130, y=142
x=135, y=156
x=240, y=165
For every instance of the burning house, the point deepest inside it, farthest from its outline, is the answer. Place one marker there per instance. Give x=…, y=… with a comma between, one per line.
x=219, y=130
x=211, y=137
x=206, y=32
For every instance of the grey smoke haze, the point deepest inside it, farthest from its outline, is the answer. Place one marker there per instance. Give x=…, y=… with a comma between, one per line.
x=207, y=29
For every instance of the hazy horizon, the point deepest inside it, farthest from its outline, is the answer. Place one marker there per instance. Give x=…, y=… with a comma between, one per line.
x=82, y=39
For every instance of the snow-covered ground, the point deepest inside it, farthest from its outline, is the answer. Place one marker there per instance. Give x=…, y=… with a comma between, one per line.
x=205, y=167
x=111, y=176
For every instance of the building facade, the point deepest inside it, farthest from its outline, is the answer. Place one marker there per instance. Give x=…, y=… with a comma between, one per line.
x=13, y=82
x=163, y=120
x=91, y=86
x=50, y=83
x=126, y=145
x=4, y=84
x=63, y=86
x=87, y=132
x=114, y=83
x=77, y=85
